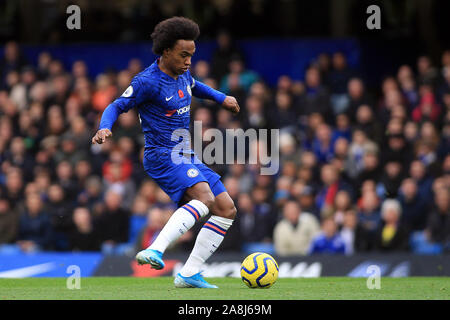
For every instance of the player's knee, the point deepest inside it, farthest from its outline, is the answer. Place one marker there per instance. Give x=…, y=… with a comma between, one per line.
x=232, y=212
x=207, y=198
x=228, y=211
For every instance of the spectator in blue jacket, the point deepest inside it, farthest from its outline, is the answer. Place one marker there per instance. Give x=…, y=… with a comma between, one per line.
x=418, y=172
x=322, y=145
x=329, y=241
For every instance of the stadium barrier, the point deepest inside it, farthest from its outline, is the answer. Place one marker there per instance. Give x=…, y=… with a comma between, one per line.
x=221, y=265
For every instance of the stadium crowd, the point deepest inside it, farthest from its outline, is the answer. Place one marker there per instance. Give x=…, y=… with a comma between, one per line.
x=360, y=170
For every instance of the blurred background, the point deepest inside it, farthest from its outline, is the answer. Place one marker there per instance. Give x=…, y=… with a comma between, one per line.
x=364, y=117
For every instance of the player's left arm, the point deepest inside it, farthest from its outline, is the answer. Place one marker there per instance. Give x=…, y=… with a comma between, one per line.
x=202, y=91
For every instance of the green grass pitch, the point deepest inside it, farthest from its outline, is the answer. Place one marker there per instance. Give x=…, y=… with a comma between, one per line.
x=123, y=288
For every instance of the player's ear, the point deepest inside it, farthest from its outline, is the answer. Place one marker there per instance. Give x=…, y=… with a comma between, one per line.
x=166, y=52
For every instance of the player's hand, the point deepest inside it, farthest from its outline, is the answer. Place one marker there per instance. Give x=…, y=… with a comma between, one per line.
x=101, y=136
x=230, y=103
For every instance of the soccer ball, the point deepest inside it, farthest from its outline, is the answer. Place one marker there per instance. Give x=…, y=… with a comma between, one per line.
x=259, y=270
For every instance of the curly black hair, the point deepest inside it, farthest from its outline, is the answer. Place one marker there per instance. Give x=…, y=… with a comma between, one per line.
x=167, y=33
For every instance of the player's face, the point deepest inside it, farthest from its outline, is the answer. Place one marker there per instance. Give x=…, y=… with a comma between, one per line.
x=179, y=57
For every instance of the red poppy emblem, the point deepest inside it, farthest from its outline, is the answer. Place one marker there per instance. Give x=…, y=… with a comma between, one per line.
x=180, y=93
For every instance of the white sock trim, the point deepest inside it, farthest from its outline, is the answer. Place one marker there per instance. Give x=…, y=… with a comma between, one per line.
x=221, y=221
x=200, y=206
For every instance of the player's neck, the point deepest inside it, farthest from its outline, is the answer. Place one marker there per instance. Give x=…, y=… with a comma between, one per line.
x=166, y=70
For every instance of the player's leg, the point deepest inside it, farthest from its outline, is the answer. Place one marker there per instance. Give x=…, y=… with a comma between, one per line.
x=213, y=231
x=201, y=200
x=211, y=234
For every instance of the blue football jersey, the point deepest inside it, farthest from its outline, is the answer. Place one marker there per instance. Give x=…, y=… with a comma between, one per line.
x=162, y=102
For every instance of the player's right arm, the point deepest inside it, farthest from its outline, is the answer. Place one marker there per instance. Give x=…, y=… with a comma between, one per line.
x=135, y=94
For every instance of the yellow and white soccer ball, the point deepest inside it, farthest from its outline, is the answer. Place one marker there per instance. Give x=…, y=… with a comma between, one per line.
x=259, y=270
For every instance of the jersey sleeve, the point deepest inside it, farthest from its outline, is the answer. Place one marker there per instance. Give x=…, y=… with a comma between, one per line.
x=202, y=91
x=137, y=93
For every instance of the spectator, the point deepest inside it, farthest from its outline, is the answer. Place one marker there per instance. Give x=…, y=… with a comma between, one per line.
x=316, y=97
x=138, y=218
x=391, y=179
x=60, y=85
x=284, y=84
x=156, y=219
x=418, y=173
x=371, y=169
x=306, y=200
x=357, y=149
x=43, y=64
x=113, y=223
x=60, y=214
x=9, y=221
x=328, y=241
x=222, y=55
x=237, y=68
x=338, y=79
x=396, y=149
x=82, y=172
x=428, y=74
x=254, y=228
x=343, y=128
x=255, y=116
x=91, y=195
x=83, y=236
x=342, y=203
x=35, y=231
x=357, y=97
x=244, y=178
x=284, y=116
x=201, y=70
x=117, y=179
x=438, y=226
x=235, y=89
x=55, y=124
x=288, y=148
x=411, y=132
x=351, y=232
x=18, y=156
x=282, y=190
x=293, y=234
x=366, y=121
x=127, y=126
x=80, y=69
x=392, y=235
x=12, y=60
x=444, y=88
x=14, y=186
x=369, y=219
x=324, y=64
x=427, y=109
x=408, y=86
x=413, y=205
x=104, y=94
x=64, y=177
x=322, y=145
x=331, y=185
